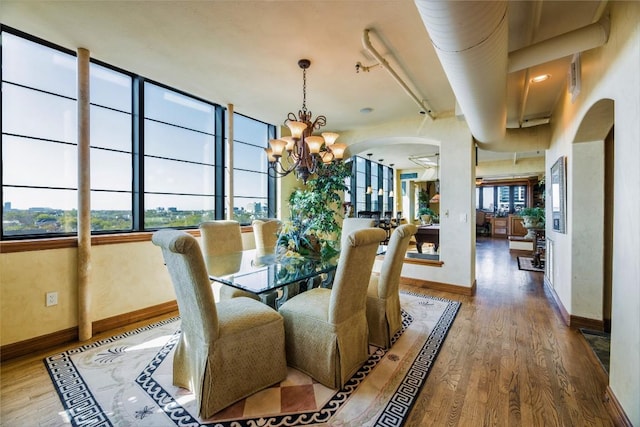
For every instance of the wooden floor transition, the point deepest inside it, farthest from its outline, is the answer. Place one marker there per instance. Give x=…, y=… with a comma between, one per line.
x=507, y=360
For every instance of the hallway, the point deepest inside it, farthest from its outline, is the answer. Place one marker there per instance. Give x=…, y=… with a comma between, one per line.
x=509, y=359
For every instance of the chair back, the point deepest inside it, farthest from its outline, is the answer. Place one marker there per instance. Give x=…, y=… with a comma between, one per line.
x=182, y=256
x=265, y=232
x=349, y=292
x=392, y=265
x=350, y=225
x=481, y=218
x=220, y=237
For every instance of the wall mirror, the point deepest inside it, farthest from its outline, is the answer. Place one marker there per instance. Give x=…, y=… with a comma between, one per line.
x=558, y=195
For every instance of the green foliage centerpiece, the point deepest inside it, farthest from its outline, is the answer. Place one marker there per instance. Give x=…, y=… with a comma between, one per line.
x=312, y=230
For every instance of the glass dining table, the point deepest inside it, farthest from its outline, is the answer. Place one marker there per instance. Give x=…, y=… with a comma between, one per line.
x=274, y=279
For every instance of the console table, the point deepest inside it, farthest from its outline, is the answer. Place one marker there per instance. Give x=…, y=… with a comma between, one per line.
x=428, y=234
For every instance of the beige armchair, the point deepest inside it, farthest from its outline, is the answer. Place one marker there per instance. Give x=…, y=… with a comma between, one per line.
x=227, y=351
x=352, y=224
x=223, y=237
x=326, y=331
x=383, y=300
x=265, y=233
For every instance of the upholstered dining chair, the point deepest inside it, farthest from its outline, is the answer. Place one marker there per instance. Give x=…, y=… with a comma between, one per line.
x=350, y=225
x=265, y=232
x=383, y=299
x=326, y=333
x=223, y=237
x=227, y=350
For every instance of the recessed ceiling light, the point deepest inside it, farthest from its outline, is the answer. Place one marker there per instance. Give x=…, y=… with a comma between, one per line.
x=540, y=78
x=366, y=110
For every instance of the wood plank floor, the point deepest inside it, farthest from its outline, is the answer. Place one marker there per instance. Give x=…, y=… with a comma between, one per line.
x=508, y=360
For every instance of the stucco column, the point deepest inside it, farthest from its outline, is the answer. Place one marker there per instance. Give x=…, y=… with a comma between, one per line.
x=229, y=160
x=84, y=199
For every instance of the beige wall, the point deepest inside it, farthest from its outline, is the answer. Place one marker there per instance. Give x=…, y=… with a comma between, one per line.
x=609, y=72
x=124, y=278
x=26, y=278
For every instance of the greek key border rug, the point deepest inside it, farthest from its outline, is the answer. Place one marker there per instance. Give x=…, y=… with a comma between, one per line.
x=127, y=380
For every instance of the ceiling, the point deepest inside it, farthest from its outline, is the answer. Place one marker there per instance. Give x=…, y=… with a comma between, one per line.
x=245, y=53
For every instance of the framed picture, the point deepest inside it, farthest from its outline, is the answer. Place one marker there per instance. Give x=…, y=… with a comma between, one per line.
x=559, y=195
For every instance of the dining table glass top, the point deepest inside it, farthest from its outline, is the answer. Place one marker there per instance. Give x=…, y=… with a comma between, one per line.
x=259, y=272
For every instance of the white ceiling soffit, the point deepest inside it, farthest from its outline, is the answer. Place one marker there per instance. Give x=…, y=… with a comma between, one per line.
x=471, y=41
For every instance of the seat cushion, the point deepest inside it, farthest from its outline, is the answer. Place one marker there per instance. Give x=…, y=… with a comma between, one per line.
x=242, y=313
x=313, y=304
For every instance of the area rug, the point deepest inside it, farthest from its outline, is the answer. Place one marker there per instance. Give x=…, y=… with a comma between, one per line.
x=126, y=380
x=526, y=263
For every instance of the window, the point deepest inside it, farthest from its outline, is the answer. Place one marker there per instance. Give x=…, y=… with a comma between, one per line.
x=157, y=154
x=501, y=199
x=179, y=159
x=368, y=174
x=251, y=182
x=111, y=150
x=39, y=139
x=375, y=185
x=361, y=185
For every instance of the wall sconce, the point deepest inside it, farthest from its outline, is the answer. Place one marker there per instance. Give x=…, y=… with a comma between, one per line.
x=380, y=192
x=369, y=190
x=391, y=194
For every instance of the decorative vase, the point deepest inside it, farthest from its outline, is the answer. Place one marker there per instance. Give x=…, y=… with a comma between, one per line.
x=531, y=224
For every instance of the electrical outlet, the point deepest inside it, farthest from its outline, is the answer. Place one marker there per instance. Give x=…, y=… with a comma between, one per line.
x=51, y=299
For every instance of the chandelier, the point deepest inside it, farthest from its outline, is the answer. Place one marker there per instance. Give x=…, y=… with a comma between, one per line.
x=302, y=152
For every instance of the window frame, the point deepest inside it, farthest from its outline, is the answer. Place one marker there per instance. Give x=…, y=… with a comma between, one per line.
x=137, y=156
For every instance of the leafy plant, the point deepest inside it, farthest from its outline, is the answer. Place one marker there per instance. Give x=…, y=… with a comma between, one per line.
x=426, y=211
x=423, y=199
x=536, y=213
x=298, y=240
x=314, y=210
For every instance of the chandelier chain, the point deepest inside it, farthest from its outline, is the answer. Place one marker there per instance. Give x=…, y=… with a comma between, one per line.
x=304, y=90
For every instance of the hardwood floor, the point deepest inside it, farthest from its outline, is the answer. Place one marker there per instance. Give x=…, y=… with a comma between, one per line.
x=507, y=360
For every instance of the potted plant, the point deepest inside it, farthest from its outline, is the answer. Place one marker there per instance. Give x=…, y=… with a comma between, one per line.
x=312, y=227
x=532, y=218
x=426, y=215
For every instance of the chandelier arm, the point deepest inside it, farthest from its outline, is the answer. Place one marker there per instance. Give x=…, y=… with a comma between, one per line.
x=285, y=165
x=290, y=118
x=319, y=122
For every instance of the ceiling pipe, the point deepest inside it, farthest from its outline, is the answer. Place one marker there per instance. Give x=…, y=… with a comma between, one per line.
x=585, y=38
x=366, y=43
x=537, y=15
x=471, y=41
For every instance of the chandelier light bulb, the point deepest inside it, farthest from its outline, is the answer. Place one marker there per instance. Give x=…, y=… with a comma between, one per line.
x=330, y=137
x=296, y=128
x=314, y=143
x=270, y=156
x=291, y=143
x=277, y=147
x=338, y=150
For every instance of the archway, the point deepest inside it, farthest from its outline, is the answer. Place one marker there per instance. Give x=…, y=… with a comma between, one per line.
x=592, y=202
